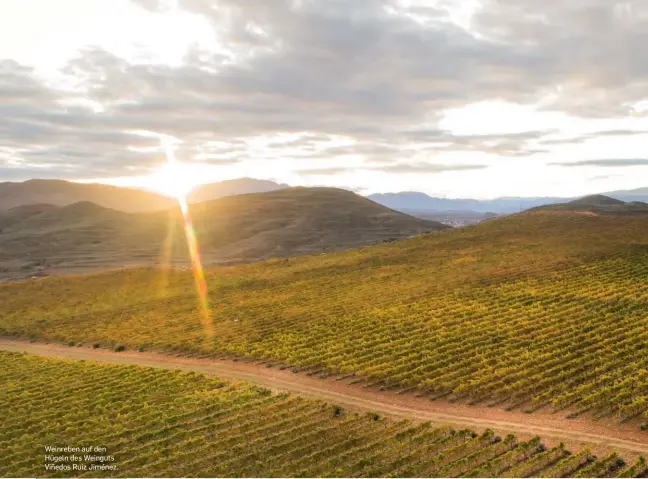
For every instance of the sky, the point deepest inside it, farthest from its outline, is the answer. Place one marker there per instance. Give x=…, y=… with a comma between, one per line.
x=454, y=98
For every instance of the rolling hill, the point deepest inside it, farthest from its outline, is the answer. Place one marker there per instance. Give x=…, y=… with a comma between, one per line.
x=61, y=193
x=535, y=311
x=83, y=236
x=130, y=200
x=410, y=201
x=599, y=204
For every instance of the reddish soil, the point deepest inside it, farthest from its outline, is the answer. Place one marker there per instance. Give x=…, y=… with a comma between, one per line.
x=600, y=435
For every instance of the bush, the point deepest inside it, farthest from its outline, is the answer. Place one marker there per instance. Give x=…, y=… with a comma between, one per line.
x=95, y=345
x=119, y=348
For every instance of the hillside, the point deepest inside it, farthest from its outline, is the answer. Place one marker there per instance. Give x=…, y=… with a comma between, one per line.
x=532, y=311
x=599, y=204
x=156, y=423
x=61, y=193
x=83, y=236
x=129, y=200
x=595, y=200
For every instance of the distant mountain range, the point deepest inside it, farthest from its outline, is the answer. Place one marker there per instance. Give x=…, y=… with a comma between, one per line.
x=599, y=205
x=639, y=194
x=240, y=186
x=410, y=202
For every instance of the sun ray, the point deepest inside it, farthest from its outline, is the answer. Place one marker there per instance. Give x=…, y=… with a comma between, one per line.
x=166, y=255
x=180, y=192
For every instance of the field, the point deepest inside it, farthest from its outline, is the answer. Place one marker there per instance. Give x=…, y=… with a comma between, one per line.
x=164, y=423
x=539, y=310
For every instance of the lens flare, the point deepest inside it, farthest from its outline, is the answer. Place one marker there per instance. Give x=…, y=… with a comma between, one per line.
x=194, y=250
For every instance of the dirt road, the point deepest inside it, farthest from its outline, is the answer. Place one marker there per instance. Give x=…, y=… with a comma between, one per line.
x=548, y=426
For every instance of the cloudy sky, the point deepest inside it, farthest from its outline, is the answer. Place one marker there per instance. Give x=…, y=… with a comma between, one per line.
x=457, y=98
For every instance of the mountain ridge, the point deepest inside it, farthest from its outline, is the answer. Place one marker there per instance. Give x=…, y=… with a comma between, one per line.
x=129, y=200
x=597, y=204
x=288, y=222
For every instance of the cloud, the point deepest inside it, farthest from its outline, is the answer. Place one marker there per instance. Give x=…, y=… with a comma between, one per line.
x=325, y=171
x=591, y=136
x=605, y=163
x=399, y=168
x=428, y=168
x=369, y=78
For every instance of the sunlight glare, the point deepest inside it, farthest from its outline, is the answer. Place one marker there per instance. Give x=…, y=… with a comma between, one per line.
x=177, y=182
x=174, y=178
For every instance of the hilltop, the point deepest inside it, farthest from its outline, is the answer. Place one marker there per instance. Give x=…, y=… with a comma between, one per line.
x=596, y=200
x=84, y=235
x=129, y=200
x=61, y=193
x=598, y=204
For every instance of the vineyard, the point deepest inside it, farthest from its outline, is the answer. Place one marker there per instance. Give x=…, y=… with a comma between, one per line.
x=156, y=423
x=532, y=311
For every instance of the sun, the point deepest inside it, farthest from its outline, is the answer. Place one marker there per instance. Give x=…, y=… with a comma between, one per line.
x=174, y=179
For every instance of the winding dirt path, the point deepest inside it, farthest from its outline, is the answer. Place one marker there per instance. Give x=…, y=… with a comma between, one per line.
x=607, y=434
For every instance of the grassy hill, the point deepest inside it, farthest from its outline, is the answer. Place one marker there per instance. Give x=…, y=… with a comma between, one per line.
x=537, y=310
x=129, y=200
x=85, y=236
x=61, y=193
x=599, y=204
x=156, y=423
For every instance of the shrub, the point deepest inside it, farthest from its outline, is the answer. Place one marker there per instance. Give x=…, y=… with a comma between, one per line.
x=119, y=348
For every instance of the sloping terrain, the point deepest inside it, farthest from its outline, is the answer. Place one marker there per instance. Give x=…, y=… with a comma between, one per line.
x=595, y=200
x=599, y=204
x=156, y=423
x=61, y=193
x=536, y=312
x=46, y=239
x=129, y=200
